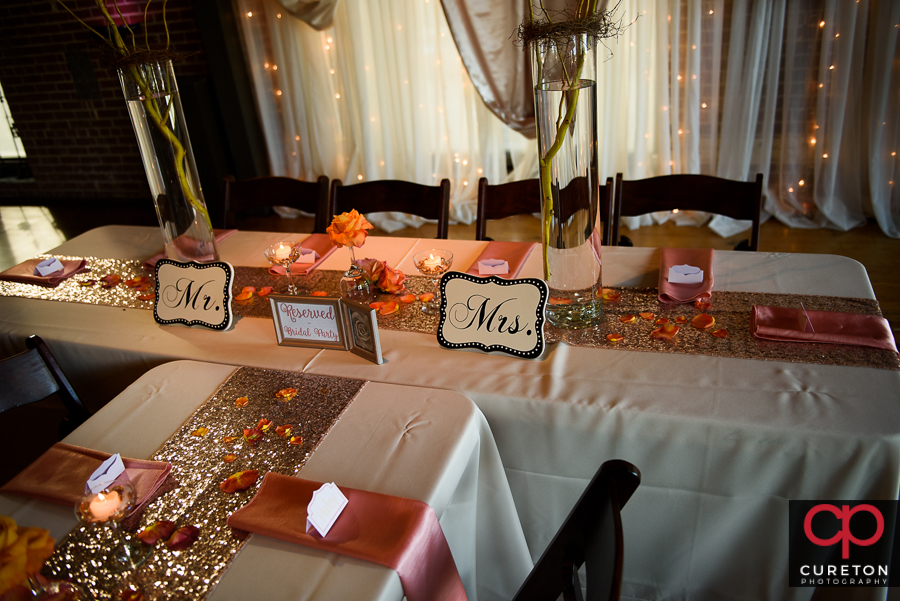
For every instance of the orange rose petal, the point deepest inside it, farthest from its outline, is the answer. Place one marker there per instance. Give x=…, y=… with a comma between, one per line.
x=407, y=298
x=200, y=432
x=229, y=457
x=318, y=293
x=427, y=297
x=611, y=295
x=143, y=287
x=156, y=531
x=264, y=291
x=228, y=439
x=239, y=481
x=244, y=296
x=377, y=305
x=248, y=289
x=242, y=401
x=627, y=319
x=296, y=440
x=264, y=424
x=147, y=296
x=681, y=319
x=252, y=436
x=285, y=430
x=661, y=321
x=286, y=394
x=702, y=305
x=559, y=301
x=720, y=333
x=184, y=537
x=703, y=321
x=87, y=282
x=647, y=316
x=135, y=282
x=614, y=338
x=666, y=332
x=388, y=308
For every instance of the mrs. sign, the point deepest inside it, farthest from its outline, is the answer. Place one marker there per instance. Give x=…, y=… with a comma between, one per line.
x=493, y=314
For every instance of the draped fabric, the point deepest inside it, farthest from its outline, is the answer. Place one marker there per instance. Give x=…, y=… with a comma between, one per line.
x=804, y=92
x=381, y=94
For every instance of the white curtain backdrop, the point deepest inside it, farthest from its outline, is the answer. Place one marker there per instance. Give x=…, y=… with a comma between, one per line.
x=805, y=92
x=381, y=94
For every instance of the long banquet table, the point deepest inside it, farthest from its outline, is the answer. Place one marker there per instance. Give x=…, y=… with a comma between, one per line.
x=419, y=443
x=723, y=443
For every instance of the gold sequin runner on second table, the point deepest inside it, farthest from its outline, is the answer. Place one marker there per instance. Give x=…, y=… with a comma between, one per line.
x=199, y=465
x=730, y=309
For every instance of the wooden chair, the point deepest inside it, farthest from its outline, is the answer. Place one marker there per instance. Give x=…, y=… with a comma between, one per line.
x=430, y=202
x=266, y=192
x=738, y=200
x=591, y=534
x=524, y=198
x=35, y=375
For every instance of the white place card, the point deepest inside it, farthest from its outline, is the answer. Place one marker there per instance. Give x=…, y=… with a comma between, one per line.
x=105, y=475
x=48, y=266
x=327, y=504
x=685, y=274
x=493, y=267
x=307, y=256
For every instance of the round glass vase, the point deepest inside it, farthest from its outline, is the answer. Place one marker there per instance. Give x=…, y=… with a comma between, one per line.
x=154, y=106
x=565, y=102
x=355, y=284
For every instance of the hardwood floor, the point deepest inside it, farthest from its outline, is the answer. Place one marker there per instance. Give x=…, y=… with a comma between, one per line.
x=26, y=231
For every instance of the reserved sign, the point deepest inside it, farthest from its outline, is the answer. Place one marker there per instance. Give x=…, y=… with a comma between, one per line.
x=493, y=314
x=302, y=321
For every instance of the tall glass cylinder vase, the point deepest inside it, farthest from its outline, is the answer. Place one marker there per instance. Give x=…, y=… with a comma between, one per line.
x=151, y=94
x=565, y=102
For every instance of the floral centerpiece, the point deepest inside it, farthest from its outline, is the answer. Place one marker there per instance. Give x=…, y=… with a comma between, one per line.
x=350, y=230
x=151, y=94
x=23, y=552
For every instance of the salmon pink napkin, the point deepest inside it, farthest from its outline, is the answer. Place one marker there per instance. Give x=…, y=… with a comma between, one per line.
x=219, y=234
x=319, y=243
x=790, y=324
x=59, y=475
x=514, y=253
x=685, y=293
x=399, y=533
x=24, y=272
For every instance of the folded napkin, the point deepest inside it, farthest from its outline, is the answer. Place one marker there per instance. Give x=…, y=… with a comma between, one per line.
x=789, y=324
x=685, y=293
x=399, y=533
x=319, y=243
x=59, y=475
x=24, y=272
x=219, y=234
x=513, y=253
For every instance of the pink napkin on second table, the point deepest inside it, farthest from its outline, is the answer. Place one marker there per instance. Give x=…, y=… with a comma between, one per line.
x=320, y=243
x=514, y=253
x=685, y=293
x=60, y=474
x=219, y=234
x=399, y=533
x=24, y=272
x=790, y=324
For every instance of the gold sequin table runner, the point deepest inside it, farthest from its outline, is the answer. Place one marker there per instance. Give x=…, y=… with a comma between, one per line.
x=199, y=453
x=730, y=309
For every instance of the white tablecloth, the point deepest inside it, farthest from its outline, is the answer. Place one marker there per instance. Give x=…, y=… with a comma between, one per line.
x=425, y=444
x=722, y=443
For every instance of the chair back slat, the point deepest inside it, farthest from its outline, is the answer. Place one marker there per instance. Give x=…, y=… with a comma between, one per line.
x=266, y=192
x=26, y=380
x=430, y=202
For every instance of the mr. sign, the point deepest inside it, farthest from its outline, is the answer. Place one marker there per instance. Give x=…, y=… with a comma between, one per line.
x=193, y=294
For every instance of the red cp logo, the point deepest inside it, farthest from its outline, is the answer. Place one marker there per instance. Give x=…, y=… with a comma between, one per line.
x=844, y=535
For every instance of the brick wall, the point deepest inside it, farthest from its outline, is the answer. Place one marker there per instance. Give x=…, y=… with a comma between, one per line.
x=68, y=108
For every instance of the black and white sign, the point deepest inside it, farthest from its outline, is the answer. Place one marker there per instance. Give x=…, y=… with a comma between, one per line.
x=493, y=314
x=194, y=294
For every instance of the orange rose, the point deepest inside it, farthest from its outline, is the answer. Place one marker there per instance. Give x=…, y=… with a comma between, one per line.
x=22, y=553
x=372, y=267
x=391, y=280
x=7, y=532
x=349, y=229
x=38, y=547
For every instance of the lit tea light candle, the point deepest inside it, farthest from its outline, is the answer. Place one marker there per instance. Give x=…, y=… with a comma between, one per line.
x=432, y=261
x=102, y=506
x=282, y=252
